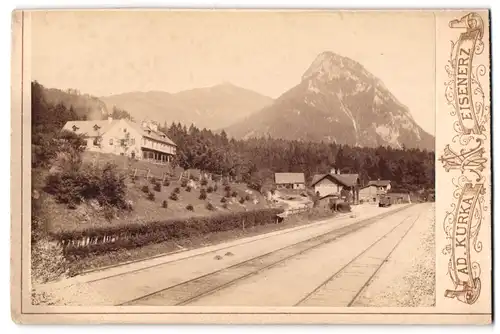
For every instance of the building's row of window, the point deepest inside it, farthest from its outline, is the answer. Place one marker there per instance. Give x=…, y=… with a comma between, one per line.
x=122, y=142
x=154, y=144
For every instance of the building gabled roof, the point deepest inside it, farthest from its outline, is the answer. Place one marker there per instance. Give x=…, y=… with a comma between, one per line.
x=334, y=195
x=150, y=133
x=316, y=178
x=379, y=183
x=348, y=180
x=100, y=127
x=286, y=178
x=90, y=128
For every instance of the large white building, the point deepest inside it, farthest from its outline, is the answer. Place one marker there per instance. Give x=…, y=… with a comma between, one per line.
x=124, y=137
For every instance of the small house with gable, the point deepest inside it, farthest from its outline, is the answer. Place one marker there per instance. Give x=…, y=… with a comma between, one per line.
x=374, y=189
x=290, y=180
x=334, y=183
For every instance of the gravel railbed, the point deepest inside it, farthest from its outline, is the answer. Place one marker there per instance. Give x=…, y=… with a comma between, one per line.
x=407, y=279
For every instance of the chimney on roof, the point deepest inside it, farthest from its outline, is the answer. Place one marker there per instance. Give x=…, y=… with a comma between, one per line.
x=153, y=126
x=334, y=171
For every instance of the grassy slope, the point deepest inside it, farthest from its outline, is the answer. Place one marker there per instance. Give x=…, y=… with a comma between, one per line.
x=126, y=164
x=60, y=217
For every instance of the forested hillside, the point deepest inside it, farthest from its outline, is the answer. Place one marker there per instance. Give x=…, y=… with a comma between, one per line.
x=258, y=159
x=255, y=160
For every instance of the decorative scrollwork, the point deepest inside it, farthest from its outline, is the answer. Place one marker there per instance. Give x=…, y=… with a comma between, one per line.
x=466, y=154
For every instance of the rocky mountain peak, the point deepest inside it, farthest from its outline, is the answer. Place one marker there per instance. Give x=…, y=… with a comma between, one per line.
x=337, y=100
x=329, y=65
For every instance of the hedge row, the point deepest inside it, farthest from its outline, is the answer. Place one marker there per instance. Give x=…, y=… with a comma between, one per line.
x=105, y=239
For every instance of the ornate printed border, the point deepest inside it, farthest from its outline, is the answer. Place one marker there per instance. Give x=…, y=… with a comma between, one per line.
x=465, y=157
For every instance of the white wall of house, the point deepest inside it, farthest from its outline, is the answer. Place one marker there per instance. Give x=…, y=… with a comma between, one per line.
x=111, y=140
x=327, y=187
x=368, y=193
x=91, y=146
x=291, y=186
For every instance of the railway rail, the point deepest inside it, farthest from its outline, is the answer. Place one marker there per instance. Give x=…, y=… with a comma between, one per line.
x=189, y=291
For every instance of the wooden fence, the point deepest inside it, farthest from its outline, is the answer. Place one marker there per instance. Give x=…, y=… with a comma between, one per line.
x=295, y=211
x=146, y=173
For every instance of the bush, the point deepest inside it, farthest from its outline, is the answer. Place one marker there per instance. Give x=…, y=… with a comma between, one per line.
x=228, y=194
x=225, y=206
x=223, y=200
x=166, y=183
x=242, y=200
x=184, y=183
x=109, y=213
x=47, y=146
x=204, y=182
x=188, y=189
x=203, y=194
x=177, y=190
x=151, y=197
x=138, y=235
x=190, y=207
x=164, y=204
x=227, y=188
x=152, y=180
x=157, y=187
x=210, y=189
x=215, y=188
x=247, y=198
x=343, y=207
x=234, y=194
x=104, y=184
x=129, y=206
x=255, y=186
x=210, y=206
x=173, y=196
x=145, y=189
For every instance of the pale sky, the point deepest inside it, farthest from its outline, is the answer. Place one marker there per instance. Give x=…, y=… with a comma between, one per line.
x=110, y=52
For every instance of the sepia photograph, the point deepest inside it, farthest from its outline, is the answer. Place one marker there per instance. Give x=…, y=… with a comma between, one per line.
x=204, y=159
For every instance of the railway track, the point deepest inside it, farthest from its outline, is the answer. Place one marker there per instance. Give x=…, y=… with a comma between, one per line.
x=344, y=286
x=104, y=277
x=197, y=288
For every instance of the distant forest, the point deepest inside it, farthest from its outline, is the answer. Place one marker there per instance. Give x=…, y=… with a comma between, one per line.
x=253, y=161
